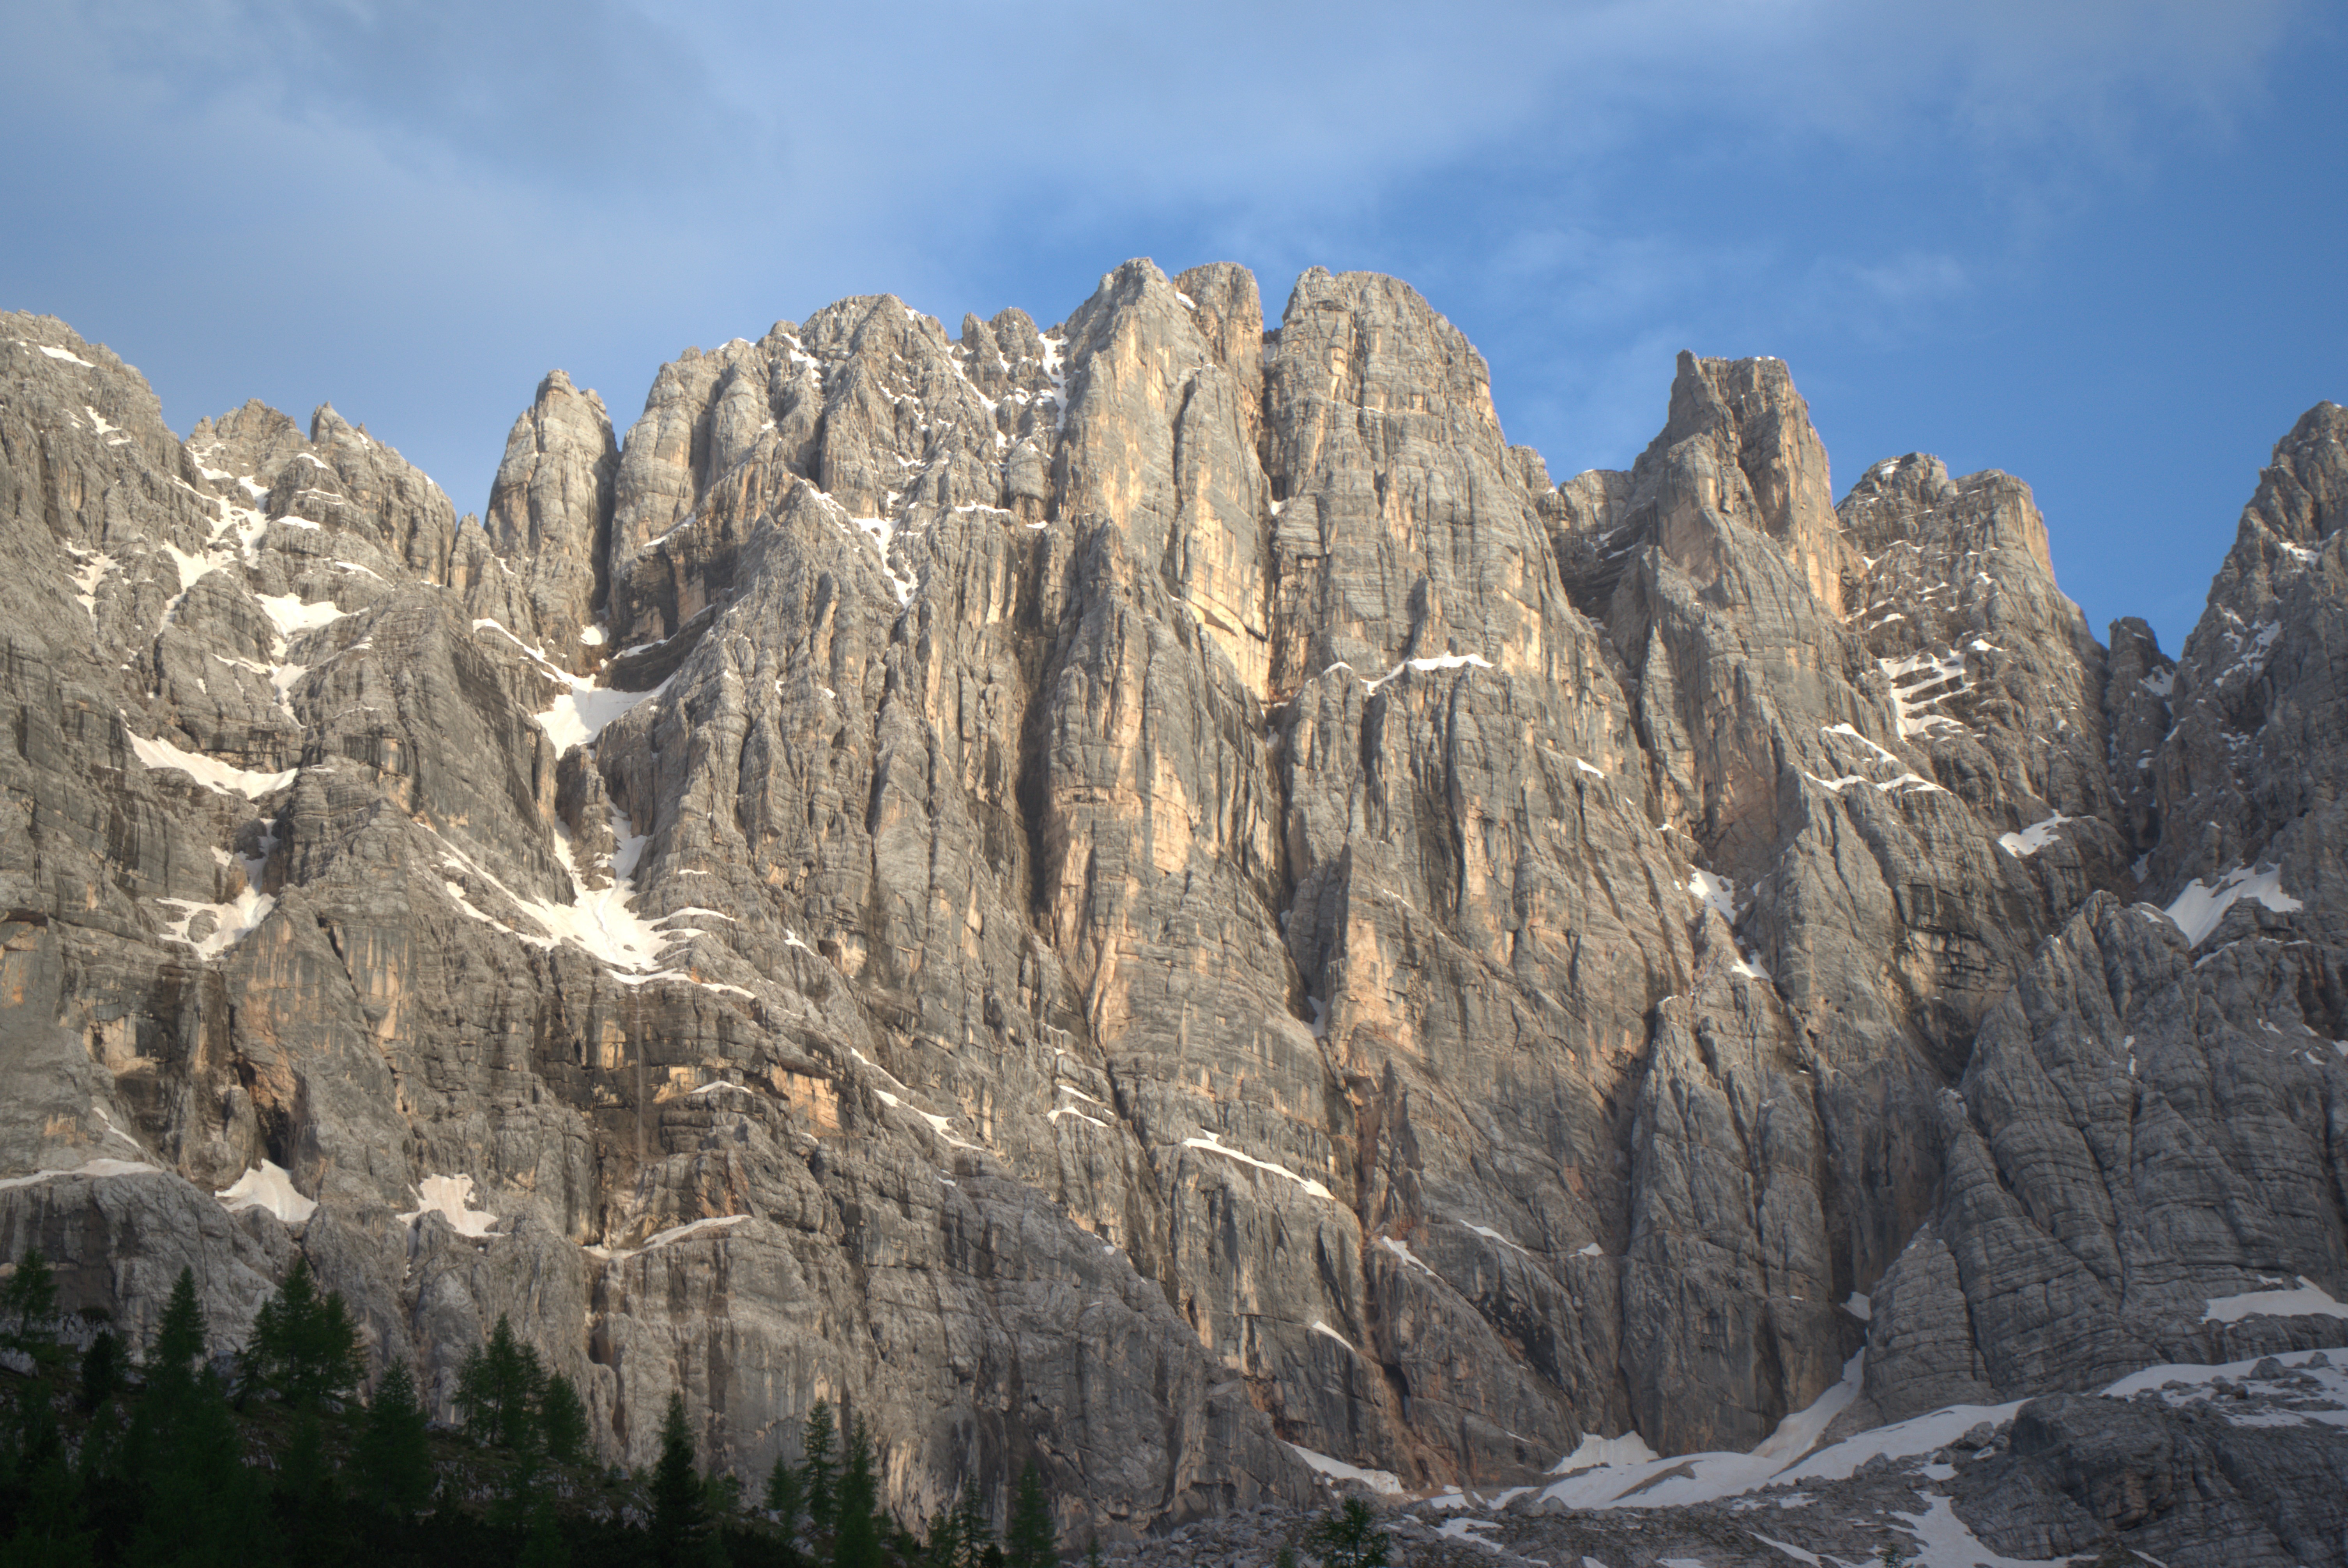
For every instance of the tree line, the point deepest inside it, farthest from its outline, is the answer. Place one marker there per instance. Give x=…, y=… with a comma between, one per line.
x=179, y=1462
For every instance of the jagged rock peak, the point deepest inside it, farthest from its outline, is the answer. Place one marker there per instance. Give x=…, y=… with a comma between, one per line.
x=1983, y=512
x=1738, y=440
x=1138, y=893
x=550, y=511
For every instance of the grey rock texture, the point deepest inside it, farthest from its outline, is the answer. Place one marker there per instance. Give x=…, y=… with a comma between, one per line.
x=2185, y=1487
x=1144, y=892
x=550, y=511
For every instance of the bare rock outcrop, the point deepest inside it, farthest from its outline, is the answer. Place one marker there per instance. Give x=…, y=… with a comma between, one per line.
x=1150, y=896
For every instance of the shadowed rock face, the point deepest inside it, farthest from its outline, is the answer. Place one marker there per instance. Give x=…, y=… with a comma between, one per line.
x=1122, y=894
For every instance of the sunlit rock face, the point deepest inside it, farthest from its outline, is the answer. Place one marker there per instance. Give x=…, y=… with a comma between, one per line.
x=1150, y=896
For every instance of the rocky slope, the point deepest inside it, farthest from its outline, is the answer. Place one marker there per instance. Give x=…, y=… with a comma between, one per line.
x=1152, y=895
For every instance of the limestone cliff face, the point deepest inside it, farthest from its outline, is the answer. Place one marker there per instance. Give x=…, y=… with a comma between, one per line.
x=1141, y=893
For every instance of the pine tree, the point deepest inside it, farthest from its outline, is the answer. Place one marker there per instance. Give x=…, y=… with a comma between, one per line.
x=200, y=1507
x=973, y=1531
x=680, y=1526
x=179, y=1339
x=1029, y=1541
x=856, y=1542
x=545, y=1547
x=786, y=1496
x=1349, y=1538
x=304, y=1347
x=393, y=1457
x=46, y=1527
x=818, y=1471
x=498, y=1390
x=563, y=1418
x=944, y=1548
x=28, y=1304
x=101, y=1371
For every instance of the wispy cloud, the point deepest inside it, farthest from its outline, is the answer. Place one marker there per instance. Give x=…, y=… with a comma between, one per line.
x=435, y=201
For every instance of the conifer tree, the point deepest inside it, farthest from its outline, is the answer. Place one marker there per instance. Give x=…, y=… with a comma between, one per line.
x=680, y=1526
x=45, y=1528
x=200, y=1507
x=973, y=1531
x=29, y=1307
x=393, y=1458
x=786, y=1496
x=1029, y=1541
x=820, y=1470
x=180, y=1338
x=944, y=1548
x=545, y=1547
x=304, y=1347
x=856, y=1541
x=499, y=1387
x=1349, y=1538
x=101, y=1371
x=563, y=1418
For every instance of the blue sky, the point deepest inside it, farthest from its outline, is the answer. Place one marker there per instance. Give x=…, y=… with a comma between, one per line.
x=2097, y=244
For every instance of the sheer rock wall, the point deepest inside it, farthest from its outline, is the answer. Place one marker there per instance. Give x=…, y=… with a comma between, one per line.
x=1122, y=894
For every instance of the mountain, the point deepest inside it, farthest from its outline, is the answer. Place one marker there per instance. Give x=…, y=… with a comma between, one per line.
x=1153, y=896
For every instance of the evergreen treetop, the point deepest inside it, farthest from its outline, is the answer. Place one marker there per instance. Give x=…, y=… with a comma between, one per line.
x=856, y=1541
x=1349, y=1537
x=820, y=1470
x=1030, y=1541
x=499, y=1389
x=303, y=1347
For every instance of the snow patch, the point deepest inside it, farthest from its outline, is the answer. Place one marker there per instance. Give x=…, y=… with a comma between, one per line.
x=582, y=713
x=232, y=923
x=451, y=1197
x=64, y=354
x=90, y=1168
x=1328, y=1333
x=219, y=777
x=1441, y=661
x=2032, y=839
x=1921, y=672
x=86, y=577
x=290, y=615
x=601, y=922
x=1464, y=1529
x=1713, y=892
x=1595, y=1452
x=1212, y=1144
x=2310, y=1300
x=676, y=1234
x=1945, y=1541
x=1377, y=1480
x=1488, y=1234
x=883, y=533
x=1628, y=1480
x=1850, y=732
x=2197, y=909
x=268, y=1185
x=1401, y=1249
